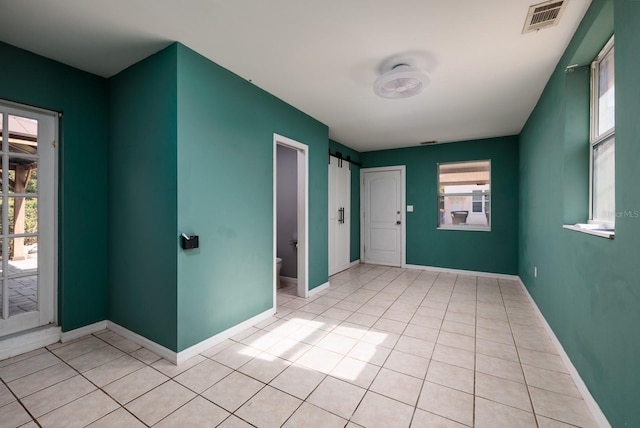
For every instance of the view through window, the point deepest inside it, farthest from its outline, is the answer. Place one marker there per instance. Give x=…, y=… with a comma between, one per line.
x=464, y=195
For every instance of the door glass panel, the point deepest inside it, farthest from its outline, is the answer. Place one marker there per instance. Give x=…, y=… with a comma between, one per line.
x=23, y=294
x=23, y=215
x=19, y=200
x=22, y=275
x=26, y=171
x=23, y=135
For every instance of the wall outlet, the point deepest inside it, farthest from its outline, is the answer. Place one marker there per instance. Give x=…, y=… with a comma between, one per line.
x=535, y=271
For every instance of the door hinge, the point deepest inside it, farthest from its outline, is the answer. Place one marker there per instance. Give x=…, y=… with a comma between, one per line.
x=53, y=143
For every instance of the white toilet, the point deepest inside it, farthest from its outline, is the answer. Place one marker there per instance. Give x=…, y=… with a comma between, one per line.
x=278, y=267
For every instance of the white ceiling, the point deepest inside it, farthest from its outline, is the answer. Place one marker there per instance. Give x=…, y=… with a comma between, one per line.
x=323, y=56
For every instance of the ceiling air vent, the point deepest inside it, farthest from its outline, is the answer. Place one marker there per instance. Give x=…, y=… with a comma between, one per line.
x=543, y=15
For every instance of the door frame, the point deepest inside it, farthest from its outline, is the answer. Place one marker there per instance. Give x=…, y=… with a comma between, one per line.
x=403, y=209
x=49, y=314
x=303, y=213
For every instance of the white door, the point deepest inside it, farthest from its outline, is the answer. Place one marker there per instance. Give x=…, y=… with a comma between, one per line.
x=27, y=225
x=339, y=215
x=383, y=216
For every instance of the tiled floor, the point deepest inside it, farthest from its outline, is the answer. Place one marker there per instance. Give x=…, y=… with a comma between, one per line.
x=382, y=347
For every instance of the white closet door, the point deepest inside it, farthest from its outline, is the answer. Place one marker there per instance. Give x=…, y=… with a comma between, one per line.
x=339, y=215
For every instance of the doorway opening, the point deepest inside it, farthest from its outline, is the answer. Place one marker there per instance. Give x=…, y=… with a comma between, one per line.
x=28, y=219
x=290, y=214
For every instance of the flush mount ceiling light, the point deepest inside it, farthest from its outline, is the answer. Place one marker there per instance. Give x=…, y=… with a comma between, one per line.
x=401, y=81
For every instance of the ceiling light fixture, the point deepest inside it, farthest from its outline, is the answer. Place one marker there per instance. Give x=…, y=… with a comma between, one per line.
x=402, y=81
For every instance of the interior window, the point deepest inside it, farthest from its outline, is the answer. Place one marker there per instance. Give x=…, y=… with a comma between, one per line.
x=464, y=195
x=602, y=178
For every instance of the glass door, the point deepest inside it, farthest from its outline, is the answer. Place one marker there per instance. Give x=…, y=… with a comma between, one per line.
x=28, y=218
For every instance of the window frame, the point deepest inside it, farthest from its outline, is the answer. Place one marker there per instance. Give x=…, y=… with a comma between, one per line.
x=485, y=195
x=595, y=137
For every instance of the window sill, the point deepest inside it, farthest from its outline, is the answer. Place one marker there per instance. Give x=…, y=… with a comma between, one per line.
x=465, y=227
x=609, y=234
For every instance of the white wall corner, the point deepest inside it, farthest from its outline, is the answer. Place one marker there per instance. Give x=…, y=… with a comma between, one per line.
x=591, y=403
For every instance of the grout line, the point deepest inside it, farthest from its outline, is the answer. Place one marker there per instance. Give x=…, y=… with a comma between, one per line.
x=19, y=401
x=515, y=345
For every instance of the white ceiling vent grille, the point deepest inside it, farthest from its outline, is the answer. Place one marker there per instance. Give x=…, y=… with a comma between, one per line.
x=544, y=15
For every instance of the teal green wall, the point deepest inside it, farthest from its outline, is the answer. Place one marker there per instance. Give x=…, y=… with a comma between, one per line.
x=355, y=197
x=225, y=196
x=495, y=251
x=587, y=287
x=143, y=240
x=82, y=207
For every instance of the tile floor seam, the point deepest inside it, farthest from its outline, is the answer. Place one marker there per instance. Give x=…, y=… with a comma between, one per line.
x=19, y=401
x=123, y=406
x=415, y=409
x=54, y=384
x=475, y=356
x=533, y=409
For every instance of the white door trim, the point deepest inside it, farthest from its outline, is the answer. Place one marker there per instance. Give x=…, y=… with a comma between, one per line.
x=403, y=209
x=303, y=212
x=48, y=127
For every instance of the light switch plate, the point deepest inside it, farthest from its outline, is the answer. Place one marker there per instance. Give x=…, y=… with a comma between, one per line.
x=409, y=208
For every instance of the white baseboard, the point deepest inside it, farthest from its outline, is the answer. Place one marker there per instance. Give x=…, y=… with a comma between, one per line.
x=29, y=341
x=355, y=263
x=194, y=350
x=464, y=272
x=152, y=346
x=319, y=288
x=83, y=331
x=288, y=281
x=591, y=403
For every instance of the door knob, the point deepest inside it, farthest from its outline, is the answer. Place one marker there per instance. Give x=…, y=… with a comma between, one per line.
x=398, y=222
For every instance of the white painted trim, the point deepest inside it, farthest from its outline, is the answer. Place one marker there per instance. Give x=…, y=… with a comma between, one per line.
x=47, y=291
x=600, y=233
x=28, y=341
x=303, y=212
x=465, y=272
x=319, y=288
x=70, y=335
x=591, y=403
x=152, y=346
x=288, y=280
x=465, y=228
x=403, y=209
x=194, y=350
x=354, y=263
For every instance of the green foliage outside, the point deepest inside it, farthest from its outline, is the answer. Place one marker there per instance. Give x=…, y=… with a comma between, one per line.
x=31, y=211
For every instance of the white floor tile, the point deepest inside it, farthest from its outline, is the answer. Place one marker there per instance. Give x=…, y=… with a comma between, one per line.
x=391, y=347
